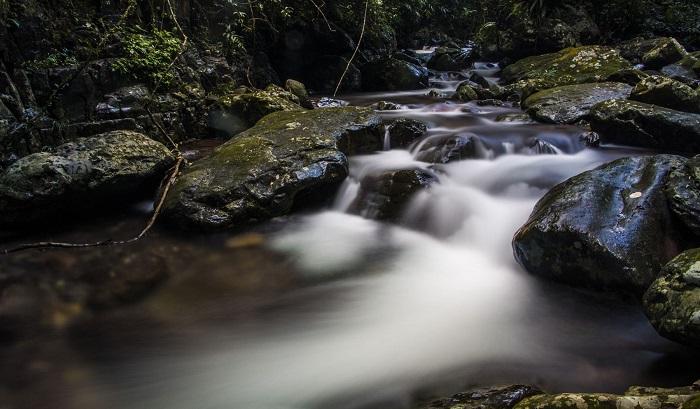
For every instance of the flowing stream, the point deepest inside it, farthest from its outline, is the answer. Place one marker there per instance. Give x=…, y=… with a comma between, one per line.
x=391, y=313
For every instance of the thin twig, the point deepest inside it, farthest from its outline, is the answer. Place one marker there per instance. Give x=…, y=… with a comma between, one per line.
x=357, y=48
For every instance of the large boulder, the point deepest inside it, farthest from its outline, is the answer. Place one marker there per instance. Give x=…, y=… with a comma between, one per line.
x=672, y=303
x=648, y=126
x=80, y=175
x=666, y=92
x=263, y=172
x=390, y=74
x=683, y=194
x=666, y=52
x=572, y=103
x=608, y=228
x=569, y=66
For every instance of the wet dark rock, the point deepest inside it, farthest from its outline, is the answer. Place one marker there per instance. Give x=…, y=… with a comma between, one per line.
x=540, y=147
x=326, y=102
x=590, y=139
x=608, y=228
x=572, y=103
x=405, y=56
x=324, y=73
x=451, y=59
x=683, y=194
x=403, y=132
x=666, y=92
x=385, y=196
x=628, y=76
x=672, y=303
x=79, y=175
x=450, y=148
x=388, y=74
x=498, y=397
x=648, y=126
x=265, y=171
x=567, y=67
x=687, y=69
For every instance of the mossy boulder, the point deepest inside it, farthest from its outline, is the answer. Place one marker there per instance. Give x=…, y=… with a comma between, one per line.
x=287, y=158
x=672, y=303
x=607, y=228
x=604, y=401
x=80, y=175
x=683, y=194
x=466, y=92
x=572, y=103
x=401, y=133
x=569, y=66
x=237, y=110
x=635, y=123
x=666, y=52
x=666, y=92
x=496, y=397
x=390, y=74
x=386, y=195
x=635, y=49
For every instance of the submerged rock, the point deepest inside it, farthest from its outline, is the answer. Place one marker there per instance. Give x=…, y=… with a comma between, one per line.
x=668, y=93
x=79, y=175
x=265, y=171
x=497, y=397
x=569, y=66
x=672, y=303
x=385, y=196
x=389, y=74
x=607, y=228
x=572, y=103
x=683, y=193
x=648, y=126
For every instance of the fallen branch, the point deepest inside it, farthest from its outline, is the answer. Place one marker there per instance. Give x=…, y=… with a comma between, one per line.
x=357, y=48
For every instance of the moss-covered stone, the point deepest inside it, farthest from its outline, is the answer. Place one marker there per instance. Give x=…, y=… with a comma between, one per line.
x=604, y=401
x=635, y=123
x=608, y=228
x=240, y=109
x=572, y=103
x=78, y=175
x=265, y=171
x=666, y=92
x=664, y=53
x=683, y=194
x=466, y=92
x=672, y=303
x=569, y=66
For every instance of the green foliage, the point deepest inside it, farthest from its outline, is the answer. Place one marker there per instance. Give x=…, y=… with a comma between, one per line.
x=149, y=55
x=55, y=59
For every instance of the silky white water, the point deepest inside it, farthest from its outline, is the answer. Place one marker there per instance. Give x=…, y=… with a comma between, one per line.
x=402, y=306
